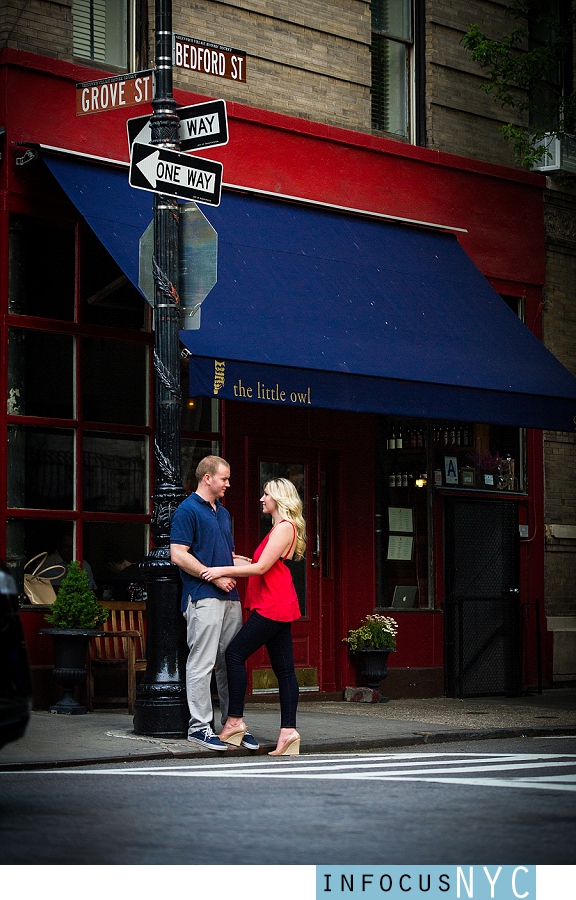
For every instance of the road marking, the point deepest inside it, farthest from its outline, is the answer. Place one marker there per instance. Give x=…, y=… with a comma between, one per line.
x=434, y=767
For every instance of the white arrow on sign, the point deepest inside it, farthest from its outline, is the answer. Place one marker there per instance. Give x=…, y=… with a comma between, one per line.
x=148, y=168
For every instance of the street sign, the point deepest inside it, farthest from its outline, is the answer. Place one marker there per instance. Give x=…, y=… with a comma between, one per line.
x=175, y=174
x=201, y=125
x=209, y=59
x=114, y=92
x=198, y=260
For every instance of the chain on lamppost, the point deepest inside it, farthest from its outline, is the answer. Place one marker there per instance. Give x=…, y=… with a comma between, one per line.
x=161, y=707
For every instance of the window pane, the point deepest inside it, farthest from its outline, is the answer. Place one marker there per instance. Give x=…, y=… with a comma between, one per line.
x=393, y=17
x=114, y=551
x=100, y=30
x=40, y=374
x=25, y=538
x=40, y=468
x=114, y=381
x=389, y=86
x=42, y=267
x=114, y=473
x=192, y=453
x=106, y=294
x=198, y=413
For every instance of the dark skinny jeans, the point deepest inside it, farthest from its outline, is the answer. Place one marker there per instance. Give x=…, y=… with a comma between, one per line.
x=277, y=637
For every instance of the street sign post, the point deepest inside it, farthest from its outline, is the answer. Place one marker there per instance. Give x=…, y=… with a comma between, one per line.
x=175, y=174
x=201, y=125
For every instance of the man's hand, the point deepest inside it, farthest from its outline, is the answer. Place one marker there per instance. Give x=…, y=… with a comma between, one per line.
x=224, y=583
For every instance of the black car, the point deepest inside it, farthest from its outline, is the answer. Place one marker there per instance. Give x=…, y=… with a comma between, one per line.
x=15, y=685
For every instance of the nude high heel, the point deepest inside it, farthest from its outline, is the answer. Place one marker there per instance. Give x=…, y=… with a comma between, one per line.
x=235, y=737
x=290, y=748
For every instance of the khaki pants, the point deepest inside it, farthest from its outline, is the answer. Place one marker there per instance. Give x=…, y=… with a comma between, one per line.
x=211, y=624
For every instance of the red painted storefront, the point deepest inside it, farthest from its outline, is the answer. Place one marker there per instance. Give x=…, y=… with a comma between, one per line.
x=498, y=217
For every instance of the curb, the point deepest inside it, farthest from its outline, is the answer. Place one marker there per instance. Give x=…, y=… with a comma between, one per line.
x=346, y=746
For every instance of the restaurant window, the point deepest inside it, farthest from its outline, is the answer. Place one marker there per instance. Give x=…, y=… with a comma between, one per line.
x=415, y=459
x=41, y=267
x=76, y=365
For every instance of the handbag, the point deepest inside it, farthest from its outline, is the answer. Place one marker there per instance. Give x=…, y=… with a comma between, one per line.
x=37, y=584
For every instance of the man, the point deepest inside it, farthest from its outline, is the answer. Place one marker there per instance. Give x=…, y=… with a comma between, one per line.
x=200, y=537
x=63, y=556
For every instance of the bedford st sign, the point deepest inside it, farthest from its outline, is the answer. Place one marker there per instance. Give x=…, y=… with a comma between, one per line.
x=115, y=92
x=175, y=174
x=210, y=59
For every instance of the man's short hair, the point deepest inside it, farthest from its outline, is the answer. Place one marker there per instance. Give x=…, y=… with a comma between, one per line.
x=209, y=466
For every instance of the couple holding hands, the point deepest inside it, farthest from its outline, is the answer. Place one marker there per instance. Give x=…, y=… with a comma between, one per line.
x=202, y=546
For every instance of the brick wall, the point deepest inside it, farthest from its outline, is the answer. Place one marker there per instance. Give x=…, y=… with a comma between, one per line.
x=38, y=26
x=559, y=325
x=309, y=59
x=461, y=118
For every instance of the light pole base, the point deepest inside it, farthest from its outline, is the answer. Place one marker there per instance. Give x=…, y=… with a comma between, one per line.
x=161, y=710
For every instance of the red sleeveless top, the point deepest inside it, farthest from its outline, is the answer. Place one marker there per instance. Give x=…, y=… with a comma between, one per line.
x=273, y=594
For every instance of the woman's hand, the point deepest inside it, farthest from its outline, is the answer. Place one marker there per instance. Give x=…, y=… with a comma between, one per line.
x=240, y=560
x=213, y=573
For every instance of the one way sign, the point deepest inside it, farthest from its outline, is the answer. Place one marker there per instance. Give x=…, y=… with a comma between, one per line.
x=201, y=125
x=175, y=174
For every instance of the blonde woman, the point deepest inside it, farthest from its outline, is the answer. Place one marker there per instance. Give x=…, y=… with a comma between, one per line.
x=272, y=599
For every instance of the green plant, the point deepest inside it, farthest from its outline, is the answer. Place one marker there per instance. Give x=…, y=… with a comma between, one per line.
x=522, y=71
x=375, y=633
x=76, y=605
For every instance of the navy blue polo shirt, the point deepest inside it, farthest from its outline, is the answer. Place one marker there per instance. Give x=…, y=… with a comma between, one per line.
x=208, y=535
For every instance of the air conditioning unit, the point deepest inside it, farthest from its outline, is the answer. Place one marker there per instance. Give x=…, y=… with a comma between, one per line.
x=560, y=155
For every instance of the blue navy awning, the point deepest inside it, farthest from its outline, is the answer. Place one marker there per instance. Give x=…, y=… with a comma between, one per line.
x=353, y=312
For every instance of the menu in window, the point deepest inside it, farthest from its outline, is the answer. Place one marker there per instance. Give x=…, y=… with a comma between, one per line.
x=400, y=546
x=400, y=519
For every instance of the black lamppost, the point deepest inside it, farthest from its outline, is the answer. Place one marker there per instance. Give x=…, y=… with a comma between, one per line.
x=161, y=707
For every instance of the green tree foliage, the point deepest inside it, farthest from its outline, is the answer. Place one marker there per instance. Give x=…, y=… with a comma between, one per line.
x=523, y=75
x=76, y=605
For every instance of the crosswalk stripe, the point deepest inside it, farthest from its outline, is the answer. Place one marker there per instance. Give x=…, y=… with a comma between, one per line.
x=431, y=767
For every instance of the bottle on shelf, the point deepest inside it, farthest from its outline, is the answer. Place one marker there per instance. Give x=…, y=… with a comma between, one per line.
x=399, y=439
x=392, y=439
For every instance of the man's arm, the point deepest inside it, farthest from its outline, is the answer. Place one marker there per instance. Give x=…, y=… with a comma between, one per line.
x=180, y=556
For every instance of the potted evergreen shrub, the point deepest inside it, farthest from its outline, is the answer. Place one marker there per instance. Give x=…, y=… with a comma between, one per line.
x=75, y=616
x=371, y=644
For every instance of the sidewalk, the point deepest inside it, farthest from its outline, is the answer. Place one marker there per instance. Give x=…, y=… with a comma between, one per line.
x=108, y=736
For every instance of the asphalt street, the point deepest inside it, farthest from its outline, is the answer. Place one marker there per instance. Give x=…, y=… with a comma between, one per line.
x=498, y=800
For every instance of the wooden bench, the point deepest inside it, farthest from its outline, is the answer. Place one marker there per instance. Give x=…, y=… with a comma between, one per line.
x=120, y=648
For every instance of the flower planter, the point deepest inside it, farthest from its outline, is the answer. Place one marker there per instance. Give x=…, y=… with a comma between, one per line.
x=372, y=665
x=70, y=648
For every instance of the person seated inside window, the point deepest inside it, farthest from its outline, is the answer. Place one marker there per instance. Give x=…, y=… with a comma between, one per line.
x=62, y=555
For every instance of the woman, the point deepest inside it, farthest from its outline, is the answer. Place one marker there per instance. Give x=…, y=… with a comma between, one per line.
x=273, y=602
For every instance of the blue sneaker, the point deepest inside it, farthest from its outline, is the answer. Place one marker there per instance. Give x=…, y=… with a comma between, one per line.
x=206, y=738
x=250, y=742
